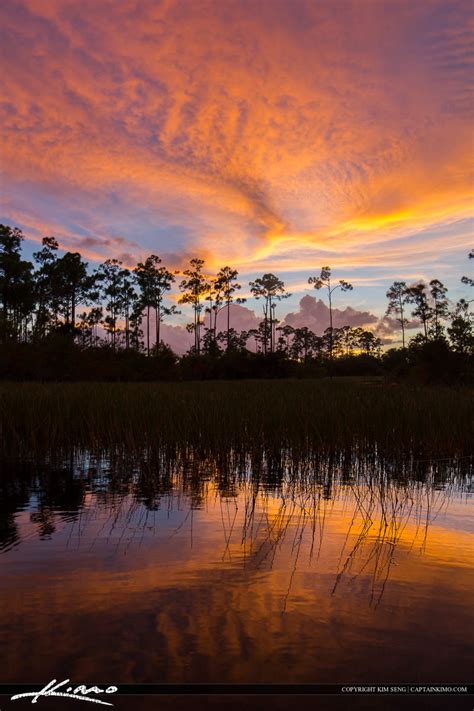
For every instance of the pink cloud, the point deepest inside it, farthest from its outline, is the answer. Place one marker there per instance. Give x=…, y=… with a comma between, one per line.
x=176, y=337
x=314, y=314
x=241, y=318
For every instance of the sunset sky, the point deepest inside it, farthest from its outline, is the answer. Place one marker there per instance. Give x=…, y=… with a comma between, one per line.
x=274, y=135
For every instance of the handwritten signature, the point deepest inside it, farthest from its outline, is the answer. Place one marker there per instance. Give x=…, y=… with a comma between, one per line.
x=81, y=693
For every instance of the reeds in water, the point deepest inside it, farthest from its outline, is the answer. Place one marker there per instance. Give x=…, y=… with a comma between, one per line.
x=429, y=422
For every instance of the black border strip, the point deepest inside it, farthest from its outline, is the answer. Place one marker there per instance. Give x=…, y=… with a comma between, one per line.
x=413, y=689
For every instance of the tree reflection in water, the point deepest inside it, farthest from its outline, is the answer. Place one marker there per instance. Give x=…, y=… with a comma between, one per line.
x=269, y=503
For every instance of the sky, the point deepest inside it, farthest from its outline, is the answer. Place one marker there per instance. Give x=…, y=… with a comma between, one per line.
x=271, y=135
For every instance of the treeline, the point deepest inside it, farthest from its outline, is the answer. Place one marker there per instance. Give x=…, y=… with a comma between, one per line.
x=60, y=320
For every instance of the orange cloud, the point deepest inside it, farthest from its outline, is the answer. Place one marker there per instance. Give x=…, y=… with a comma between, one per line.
x=275, y=130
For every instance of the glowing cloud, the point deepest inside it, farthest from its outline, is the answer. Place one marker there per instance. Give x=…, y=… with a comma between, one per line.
x=247, y=131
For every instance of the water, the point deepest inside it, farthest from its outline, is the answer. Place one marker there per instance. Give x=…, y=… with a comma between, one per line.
x=165, y=570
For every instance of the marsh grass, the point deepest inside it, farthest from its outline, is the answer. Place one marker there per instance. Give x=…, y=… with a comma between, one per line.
x=252, y=416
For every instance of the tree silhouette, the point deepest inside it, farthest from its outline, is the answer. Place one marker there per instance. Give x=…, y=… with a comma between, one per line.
x=286, y=332
x=226, y=285
x=397, y=300
x=16, y=285
x=440, y=306
x=154, y=282
x=46, y=259
x=74, y=287
x=305, y=344
x=368, y=341
x=62, y=284
x=271, y=289
x=194, y=288
x=88, y=322
x=418, y=297
x=39, y=320
x=461, y=330
x=324, y=281
x=233, y=340
x=129, y=302
x=112, y=278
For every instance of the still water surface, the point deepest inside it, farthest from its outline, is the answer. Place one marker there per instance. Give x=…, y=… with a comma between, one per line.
x=128, y=573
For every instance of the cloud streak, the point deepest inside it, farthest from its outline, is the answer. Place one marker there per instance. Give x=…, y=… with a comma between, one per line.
x=245, y=131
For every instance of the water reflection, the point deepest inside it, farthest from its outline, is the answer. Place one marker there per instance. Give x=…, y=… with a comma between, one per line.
x=186, y=566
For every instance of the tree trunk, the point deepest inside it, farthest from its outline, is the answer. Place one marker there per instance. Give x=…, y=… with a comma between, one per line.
x=330, y=335
x=265, y=333
x=271, y=325
x=148, y=329
x=196, y=327
x=127, y=330
x=73, y=311
x=158, y=325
